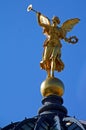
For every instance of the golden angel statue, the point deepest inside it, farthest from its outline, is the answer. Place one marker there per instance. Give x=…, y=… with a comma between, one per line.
x=51, y=59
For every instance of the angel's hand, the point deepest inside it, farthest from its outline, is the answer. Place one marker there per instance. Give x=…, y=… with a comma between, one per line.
x=38, y=13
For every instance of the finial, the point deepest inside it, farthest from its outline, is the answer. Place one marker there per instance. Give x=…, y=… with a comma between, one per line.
x=51, y=58
x=52, y=86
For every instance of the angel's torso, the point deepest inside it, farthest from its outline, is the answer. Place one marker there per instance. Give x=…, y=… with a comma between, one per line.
x=53, y=34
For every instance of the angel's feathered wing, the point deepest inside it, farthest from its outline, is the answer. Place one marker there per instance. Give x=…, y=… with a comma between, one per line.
x=68, y=25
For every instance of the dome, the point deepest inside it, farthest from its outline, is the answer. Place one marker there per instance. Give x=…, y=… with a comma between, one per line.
x=44, y=124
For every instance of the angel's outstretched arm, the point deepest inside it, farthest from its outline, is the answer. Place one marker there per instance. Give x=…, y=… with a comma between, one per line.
x=67, y=39
x=43, y=20
x=38, y=16
x=72, y=39
x=39, y=21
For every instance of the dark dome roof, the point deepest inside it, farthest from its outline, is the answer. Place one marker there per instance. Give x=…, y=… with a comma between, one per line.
x=43, y=123
x=51, y=116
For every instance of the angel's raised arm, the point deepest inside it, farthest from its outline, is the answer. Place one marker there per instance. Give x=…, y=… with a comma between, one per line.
x=42, y=20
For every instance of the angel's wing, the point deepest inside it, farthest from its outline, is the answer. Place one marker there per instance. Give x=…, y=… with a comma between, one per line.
x=68, y=25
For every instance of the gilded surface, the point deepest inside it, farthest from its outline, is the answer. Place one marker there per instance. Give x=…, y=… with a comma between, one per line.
x=51, y=59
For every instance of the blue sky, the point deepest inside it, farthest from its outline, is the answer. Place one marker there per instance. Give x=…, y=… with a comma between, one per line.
x=21, y=42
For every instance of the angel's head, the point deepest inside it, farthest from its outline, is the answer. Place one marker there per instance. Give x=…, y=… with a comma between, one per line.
x=55, y=20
